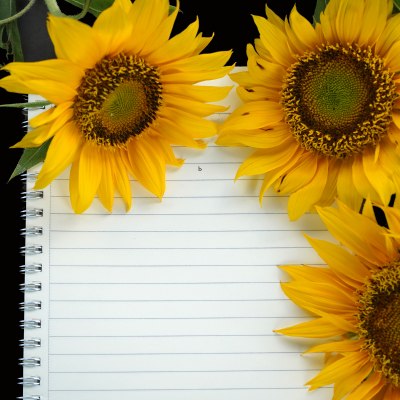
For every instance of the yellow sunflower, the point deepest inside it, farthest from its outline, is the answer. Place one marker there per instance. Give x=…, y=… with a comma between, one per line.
x=321, y=105
x=123, y=92
x=356, y=303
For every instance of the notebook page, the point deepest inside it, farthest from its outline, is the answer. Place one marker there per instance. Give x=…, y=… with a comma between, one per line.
x=178, y=298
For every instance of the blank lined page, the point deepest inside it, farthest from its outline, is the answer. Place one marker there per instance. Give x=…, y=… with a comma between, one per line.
x=176, y=299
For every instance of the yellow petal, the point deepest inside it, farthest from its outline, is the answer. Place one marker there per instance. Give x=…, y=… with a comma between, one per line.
x=392, y=57
x=254, y=115
x=89, y=174
x=15, y=85
x=180, y=46
x=378, y=178
x=35, y=137
x=306, y=197
x=360, y=181
x=122, y=183
x=369, y=388
x=349, y=383
x=320, y=296
x=145, y=17
x=275, y=175
x=55, y=92
x=147, y=165
x=373, y=22
x=340, y=261
x=345, y=186
x=303, y=33
x=341, y=222
x=392, y=393
x=316, y=328
x=341, y=346
x=106, y=186
x=308, y=273
x=256, y=138
x=299, y=175
x=264, y=73
x=265, y=160
x=349, y=20
x=168, y=154
x=191, y=125
x=198, y=62
x=198, y=108
x=75, y=41
x=61, y=153
x=274, y=40
x=49, y=115
x=193, y=77
x=177, y=134
x=197, y=92
x=161, y=35
x=257, y=93
x=389, y=36
x=114, y=27
x=62, y=71
x=338, y=370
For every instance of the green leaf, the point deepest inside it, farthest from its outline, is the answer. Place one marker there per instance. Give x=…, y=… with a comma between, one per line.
x=33, y=104
x=30, y=157
x=9, y=33
x=96, y=6
x=396, y=5
x=319, y=7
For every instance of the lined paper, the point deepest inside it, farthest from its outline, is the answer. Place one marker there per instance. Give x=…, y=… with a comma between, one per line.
x=178, y=298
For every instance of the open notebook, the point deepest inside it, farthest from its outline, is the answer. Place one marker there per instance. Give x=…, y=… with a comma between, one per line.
x=175, y=300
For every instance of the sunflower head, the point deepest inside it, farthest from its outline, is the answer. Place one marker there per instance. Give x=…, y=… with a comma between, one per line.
x=324, y=106
x=124, y=92
x=379, y=320
x=117, y=100
x=355, y=304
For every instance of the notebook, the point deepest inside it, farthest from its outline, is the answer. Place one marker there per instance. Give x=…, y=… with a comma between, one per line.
x=176, y=299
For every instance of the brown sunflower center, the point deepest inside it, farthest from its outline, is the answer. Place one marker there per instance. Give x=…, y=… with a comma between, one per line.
x=338, y=100
x=117, y=99
x=379, y=320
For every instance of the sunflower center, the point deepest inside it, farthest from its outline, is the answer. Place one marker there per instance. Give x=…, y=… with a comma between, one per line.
x=338, y=100
x=379, y=321
x=117, y=99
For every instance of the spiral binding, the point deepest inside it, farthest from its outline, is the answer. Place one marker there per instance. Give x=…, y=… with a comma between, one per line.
x=32, y=286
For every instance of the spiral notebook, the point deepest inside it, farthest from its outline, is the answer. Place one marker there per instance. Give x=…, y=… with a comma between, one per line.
x=175, y=300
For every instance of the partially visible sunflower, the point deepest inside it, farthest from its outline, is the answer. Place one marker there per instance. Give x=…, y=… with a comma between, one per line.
x=321, y=105
x=356, y=303
x=123, y=91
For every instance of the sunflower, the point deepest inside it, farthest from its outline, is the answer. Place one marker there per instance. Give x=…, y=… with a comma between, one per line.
x=321, y=106
x=124, y=91
x=356, y=303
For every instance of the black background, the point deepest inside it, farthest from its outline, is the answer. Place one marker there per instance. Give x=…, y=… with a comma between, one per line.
x=232, y=26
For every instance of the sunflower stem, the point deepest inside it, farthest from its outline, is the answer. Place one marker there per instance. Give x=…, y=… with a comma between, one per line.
x=19, y=14
x=54, y=9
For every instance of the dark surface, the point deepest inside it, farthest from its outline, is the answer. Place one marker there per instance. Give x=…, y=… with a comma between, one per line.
x=233, y=28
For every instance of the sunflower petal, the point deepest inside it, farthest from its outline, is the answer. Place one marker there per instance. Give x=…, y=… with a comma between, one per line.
x=309, y=195
x=346, y=265
x=316, y=328
x=35, y=137
x=349, y=383
x=338, y=370
x=61, y=153
x=89, y=174
x=75, y=41
x=369, y=388
x=147, y=166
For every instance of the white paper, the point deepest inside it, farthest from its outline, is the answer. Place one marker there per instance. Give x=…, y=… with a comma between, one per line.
x=177, y=299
